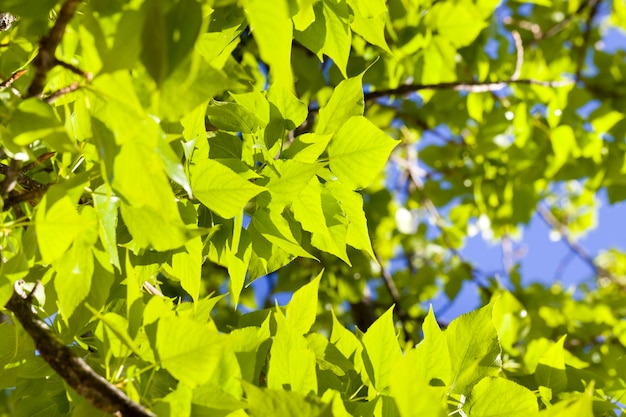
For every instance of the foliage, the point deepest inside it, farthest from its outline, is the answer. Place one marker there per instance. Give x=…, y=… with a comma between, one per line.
x=169, y=167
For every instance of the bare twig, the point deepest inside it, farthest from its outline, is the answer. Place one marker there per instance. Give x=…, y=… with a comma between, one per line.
x=563, y=23
x=46, y=59
x=61, y=92
x=519, y=47
x=469, y=86
x=9, y=81
x=532, y=27
x=549, y=218
x=92, y=386
x=395, y=295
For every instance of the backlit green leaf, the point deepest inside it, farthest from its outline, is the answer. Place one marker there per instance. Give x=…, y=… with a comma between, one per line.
x=381, y=350
x=302, y=309
x=221, y=189
x=474, y=349
x=493, y=396
x=358, y=152
x=273, y=31
x=197, y=353
x=551, y=368
x=292, y=363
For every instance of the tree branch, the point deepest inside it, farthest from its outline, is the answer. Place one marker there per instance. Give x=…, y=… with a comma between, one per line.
x=547, y=216
x=46, y=59
x=9, y=81
x=469, y=86
x=84, y=380
x=563, y=23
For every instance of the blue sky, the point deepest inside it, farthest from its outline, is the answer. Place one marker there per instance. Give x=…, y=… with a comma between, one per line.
x=543, y=256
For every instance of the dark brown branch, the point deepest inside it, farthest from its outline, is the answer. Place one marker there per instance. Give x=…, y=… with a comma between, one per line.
x=45, y=59
x=469, y=86
x=23, y=179
x=41, y=159
x=84, y=380
x=16, y=198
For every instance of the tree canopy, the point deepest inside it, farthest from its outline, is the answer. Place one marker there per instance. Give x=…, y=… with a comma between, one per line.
x=169, y=168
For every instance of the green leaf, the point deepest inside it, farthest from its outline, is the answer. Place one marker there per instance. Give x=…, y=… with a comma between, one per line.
x=275, y=228
x=219, y=188
x=307, y=147
x=346, y=101
x=348, y=344
x=358, y=152
x=187, y=266
x=35, y=120
x=292, y=363
x=381, y=350
x=73, y=279
x=168, y=36
x=196, y=353
x=286, y=180
x=58, y=222
x=493, y=396
x=352, y=206
x=302, y=309
x=112, y=330
x=369, y=21
x=551, y=368
x=414, y=397
x=275, y=403
x=474, y=349
x=273, y=31
x=191, y=85
x=148, y=204
x=251, y=346
x=238, y=260
x=106, y=205
x=329, y=34
x=232, y=117
x=460, y=22
x=431, y=355
x=292, y=110
x=579, y=404
x=319, y=213
x=564, y=145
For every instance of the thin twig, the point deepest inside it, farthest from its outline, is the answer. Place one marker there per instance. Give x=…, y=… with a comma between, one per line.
x=394, y=293
x=563, y=23
x=46, y=59
x=549, y=218
x=560, y=269
x=469, y=86
x=93, y=387
x=9, y=81
x=61, y=92
x=519, y=47
x=415, y=173
x=532, y=27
